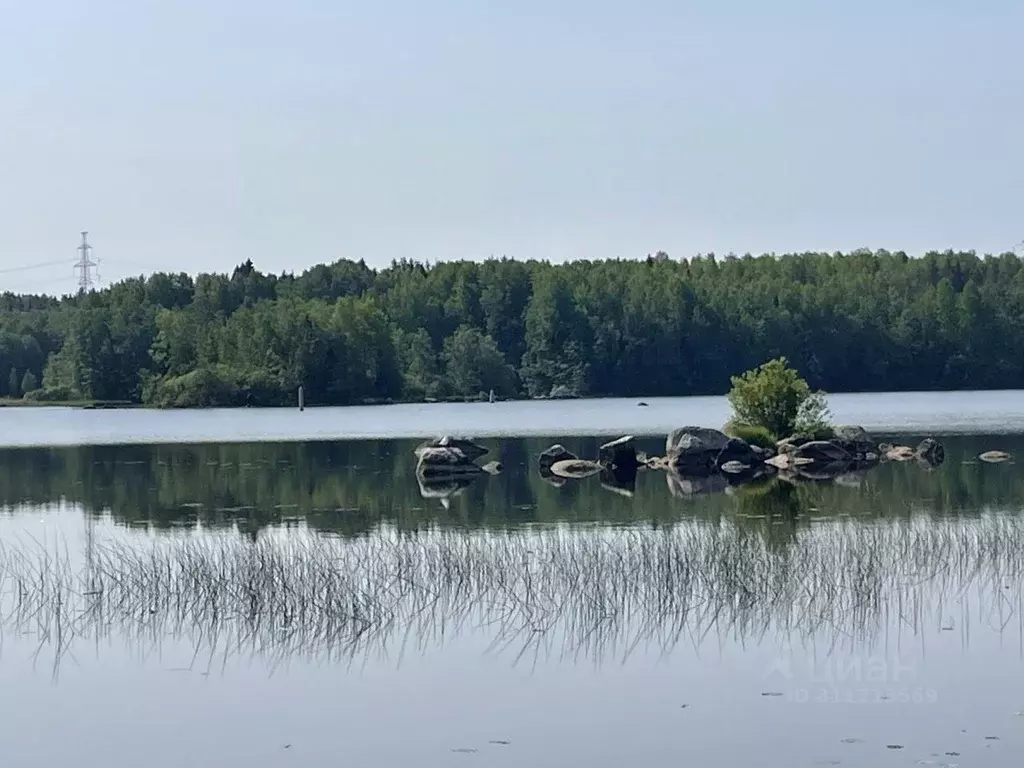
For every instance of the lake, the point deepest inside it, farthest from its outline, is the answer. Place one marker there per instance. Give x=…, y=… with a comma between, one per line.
x=903, y=412
x=299, y=602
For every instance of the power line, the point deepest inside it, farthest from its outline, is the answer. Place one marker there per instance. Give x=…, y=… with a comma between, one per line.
x=85, y=269
x=34, y=266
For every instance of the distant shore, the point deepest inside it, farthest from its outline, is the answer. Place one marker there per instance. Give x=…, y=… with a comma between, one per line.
x=8, y=402
x=11, y=402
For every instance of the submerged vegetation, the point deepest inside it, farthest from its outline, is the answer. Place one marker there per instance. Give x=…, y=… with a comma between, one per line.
x=576, y=593
x=862, y=321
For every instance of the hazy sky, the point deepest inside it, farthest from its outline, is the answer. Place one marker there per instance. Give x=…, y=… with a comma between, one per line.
x=190, y=135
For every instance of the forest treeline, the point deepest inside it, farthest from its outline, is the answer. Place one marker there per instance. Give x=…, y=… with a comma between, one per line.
x=862, y=321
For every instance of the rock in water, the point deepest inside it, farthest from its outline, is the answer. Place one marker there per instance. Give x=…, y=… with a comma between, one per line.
x=548, y=458
x=620, y=454
x=995, y=457
x=555, y=453
x=822, y=451
x=443, y=457
x=690, y=439
x=575, y=469
x=471, y=450
x=931, y=452
x=440, y=461
x=694, y=451
x=492, y=467
x=738, y=450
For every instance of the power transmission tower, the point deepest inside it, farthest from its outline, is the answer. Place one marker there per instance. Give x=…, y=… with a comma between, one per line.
x=85, y=264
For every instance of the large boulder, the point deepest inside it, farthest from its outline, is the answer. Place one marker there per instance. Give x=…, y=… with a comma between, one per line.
x=695, y=439
x=444, y=461
x=620, y=454
x=737, y=450
x=442, y=457
x=694, y=451
x=468, y=448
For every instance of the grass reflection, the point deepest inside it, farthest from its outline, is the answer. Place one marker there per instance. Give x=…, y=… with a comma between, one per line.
x=571, y=593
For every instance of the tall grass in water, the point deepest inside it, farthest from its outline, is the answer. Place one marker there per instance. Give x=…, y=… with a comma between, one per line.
x=579, y=592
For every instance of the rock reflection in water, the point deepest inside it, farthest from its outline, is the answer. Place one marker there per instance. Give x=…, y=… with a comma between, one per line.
x=351, y=488
x=701, y=461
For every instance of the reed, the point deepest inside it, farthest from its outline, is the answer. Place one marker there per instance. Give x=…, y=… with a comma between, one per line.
x=575, y=592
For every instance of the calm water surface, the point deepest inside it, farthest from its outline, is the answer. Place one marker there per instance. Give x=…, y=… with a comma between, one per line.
x=311, y=604
x=904, y=412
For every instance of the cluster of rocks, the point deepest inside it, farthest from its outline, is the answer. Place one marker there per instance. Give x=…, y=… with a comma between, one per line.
x=701, y=460
x=618, y=463
x=447, y=465
x=697, y=460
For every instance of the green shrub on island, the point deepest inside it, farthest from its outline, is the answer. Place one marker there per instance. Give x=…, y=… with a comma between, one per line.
x=772, y=402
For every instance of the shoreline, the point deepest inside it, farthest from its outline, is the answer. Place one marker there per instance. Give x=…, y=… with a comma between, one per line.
x=9, y=402
x=637, y=400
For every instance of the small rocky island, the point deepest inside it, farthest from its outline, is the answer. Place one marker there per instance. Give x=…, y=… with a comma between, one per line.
x=697, y=460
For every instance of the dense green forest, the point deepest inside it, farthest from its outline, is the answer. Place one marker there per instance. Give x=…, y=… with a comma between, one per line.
x=863, y=321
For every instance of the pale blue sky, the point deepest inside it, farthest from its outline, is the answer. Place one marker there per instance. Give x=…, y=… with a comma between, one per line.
x=189, y=134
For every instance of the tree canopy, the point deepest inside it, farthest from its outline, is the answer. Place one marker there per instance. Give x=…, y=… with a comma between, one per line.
x=860, y=321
